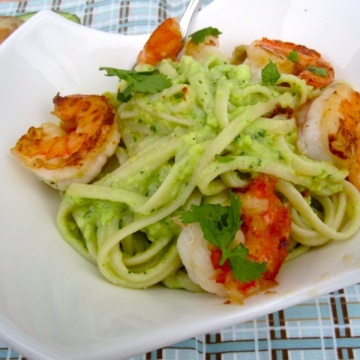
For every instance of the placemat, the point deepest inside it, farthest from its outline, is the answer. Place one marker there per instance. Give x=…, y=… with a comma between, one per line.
x=327, y=327
x=124, y=16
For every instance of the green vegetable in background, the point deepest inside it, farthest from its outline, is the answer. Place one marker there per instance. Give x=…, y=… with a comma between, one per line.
x=66, y=15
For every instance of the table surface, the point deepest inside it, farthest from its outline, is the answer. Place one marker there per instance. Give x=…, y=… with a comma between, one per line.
x=327, y=327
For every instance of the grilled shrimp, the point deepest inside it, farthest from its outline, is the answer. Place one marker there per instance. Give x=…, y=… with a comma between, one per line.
x=164, y=43
x=266, y=226
x=195, y=254
x=294, y=59
x=330, y=129
x=265, y=233
x=76, y=150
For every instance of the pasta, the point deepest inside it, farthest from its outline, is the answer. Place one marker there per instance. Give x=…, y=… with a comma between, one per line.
x=214, y=129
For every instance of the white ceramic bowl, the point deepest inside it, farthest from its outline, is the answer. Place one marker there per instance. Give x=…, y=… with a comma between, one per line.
x=53, y=303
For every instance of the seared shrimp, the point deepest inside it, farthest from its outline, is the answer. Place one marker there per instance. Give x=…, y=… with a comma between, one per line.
x=164, y=43
x=294, y=59
x=266, y=226
x=330, y=129
x=265, y=233
x=76, y=150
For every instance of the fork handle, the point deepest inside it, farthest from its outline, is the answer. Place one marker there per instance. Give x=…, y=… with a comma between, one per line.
x=188, y=16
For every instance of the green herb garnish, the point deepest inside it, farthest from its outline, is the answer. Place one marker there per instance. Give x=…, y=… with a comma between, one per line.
x=178, y=95
x=147, y=82
x=224, y=159
x=318, y=71
x=270, y=74
x=219, y=225
x=199, y=36
x=293, y=56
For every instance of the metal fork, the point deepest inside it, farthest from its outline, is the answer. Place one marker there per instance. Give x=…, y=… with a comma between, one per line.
x=188, y=17
x=186, y=20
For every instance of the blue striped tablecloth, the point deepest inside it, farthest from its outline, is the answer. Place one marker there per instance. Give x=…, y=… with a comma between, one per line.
x=327, y=327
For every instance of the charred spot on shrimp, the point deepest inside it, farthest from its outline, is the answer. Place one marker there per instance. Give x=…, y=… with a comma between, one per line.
x=340, y=149
x=283, y=243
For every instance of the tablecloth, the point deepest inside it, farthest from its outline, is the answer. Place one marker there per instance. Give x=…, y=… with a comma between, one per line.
x=327, y=327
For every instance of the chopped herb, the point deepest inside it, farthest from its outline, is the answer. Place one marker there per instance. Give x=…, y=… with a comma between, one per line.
x=316, y=204
x=270, y=74
x=147, y=82
x=224, y=159
x=293, y=56
x=219, y=225
x=199, y=36
x=318, y=71
x=178, y=95
x=261, y=133
x=124, y=96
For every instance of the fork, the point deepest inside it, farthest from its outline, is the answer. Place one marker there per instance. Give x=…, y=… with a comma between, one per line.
x=186, y=20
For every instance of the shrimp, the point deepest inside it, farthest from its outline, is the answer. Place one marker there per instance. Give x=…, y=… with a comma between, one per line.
x=195, y=254
x=76, y=150
x=201, y=52
x=265, y=233
x=329, y=129
x=266, y=225
x=164, y=43
x=305, y=63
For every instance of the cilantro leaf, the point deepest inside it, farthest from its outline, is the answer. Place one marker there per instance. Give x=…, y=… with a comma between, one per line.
x=219, y=225
x=293, y=56
x=270, y=74
x=147, y=82
x=318, y=71
x=199, y=36
x=244, y=269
